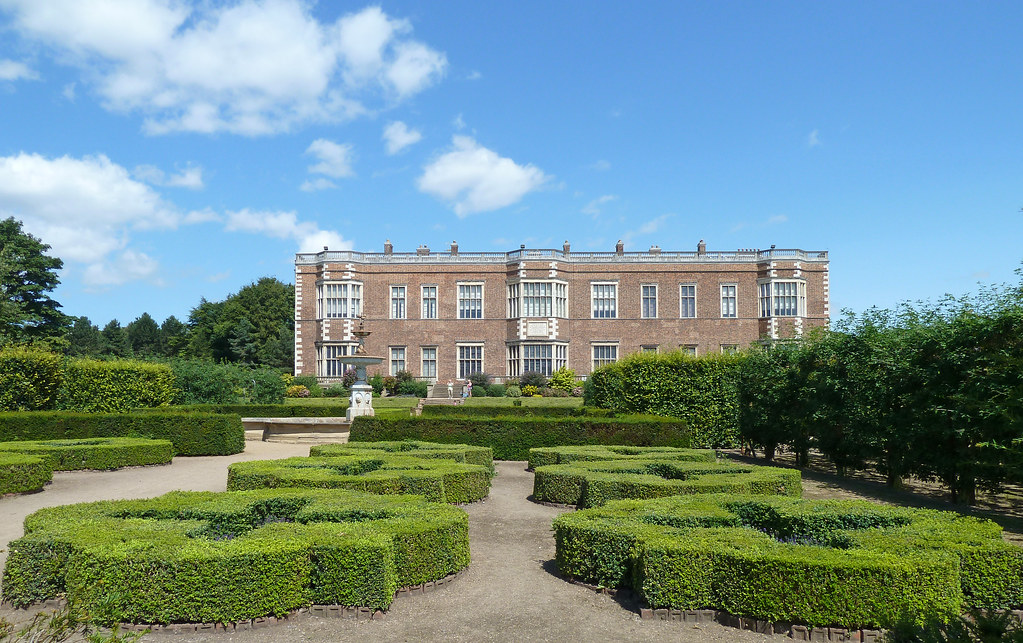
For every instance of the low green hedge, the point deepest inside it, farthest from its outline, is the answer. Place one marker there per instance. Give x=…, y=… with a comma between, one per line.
x=258, y=410
x=191, y=433
x=221, y=557
x=592, y=484
x=20, y=473
x=840, y=563
x=483, y=456
x=95, y=453
x=563, y=455
x=511, y=438
x=434, y=479
x=475, y=411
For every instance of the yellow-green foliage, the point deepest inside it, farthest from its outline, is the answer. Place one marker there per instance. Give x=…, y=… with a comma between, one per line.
x=29, y=379
x=115, y=386
x=563, y=378
x=94, y=453
x=438, y=480
x=20, y=473
x=843, y=563
x=221, y=557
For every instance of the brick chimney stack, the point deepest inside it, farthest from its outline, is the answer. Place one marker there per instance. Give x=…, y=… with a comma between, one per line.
x=701, y=248
x=454, y=248
x=619, y=248
x=567, y=248
x=655, y=250
x=388, y=248
x=422, y=250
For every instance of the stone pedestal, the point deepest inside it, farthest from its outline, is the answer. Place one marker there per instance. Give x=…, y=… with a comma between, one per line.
x=361, y=400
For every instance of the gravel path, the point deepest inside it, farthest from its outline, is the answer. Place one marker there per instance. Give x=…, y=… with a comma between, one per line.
x=510, y=591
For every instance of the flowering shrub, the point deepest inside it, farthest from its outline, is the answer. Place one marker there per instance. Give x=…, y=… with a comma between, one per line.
x=577, y=391
x=563, y=379
x=529, y=390
x=297, y=390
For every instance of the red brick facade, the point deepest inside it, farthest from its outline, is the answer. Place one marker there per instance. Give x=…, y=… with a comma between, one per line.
x=612, y=284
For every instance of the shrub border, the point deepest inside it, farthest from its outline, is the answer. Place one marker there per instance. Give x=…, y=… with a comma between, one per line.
x=22, y=473
x=97, y=454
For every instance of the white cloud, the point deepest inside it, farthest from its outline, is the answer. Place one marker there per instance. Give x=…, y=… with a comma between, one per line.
x=84, y=207
x=126, y=266
x=776, y=219
x=458, y=123
x=285, y=225
x=593, y=207
x=314, y=185
x=474, y=75
x=649, y=227
x=13, y=70
x=250, y=67
x=335, y=159
x=190, y=177
x=813, y=139
x=475, y=179
x=397, y=136
x=69, y=92
x=601, y=166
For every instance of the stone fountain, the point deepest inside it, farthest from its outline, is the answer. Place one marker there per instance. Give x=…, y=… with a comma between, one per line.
x=361, y=401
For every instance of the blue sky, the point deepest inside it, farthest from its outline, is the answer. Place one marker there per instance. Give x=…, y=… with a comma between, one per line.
x=170, y=151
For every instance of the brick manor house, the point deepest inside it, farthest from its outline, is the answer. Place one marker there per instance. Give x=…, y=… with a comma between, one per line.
x=444, y=315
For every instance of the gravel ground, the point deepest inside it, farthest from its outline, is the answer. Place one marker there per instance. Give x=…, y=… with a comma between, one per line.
x=510, y=591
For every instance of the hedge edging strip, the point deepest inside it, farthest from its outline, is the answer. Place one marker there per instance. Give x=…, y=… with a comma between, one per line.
x=21, y=473
x=95, y=453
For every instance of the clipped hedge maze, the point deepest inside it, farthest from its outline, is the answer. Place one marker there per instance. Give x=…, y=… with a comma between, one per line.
x=95, y=453
x=824, y=563
x=221, y=557
x=20, y=473
x=592, y=476
x=483, y=456
x=544, y=456
x=435, y=479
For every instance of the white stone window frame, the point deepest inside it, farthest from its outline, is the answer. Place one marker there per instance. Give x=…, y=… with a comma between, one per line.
x=353, y=304
x=393, y=367
x=650, y=348
x=327, y=363
x=643, y=300
x=458, y=298
x=603, y=360
x=517, y=296
x=681, y=311
x=729, y=349
x=423, y=361
x=733, y=297
x=393, y=300
x=458, y=357
x=613, y=309
x=768, y=296
x=423, y=299
x=689, y=349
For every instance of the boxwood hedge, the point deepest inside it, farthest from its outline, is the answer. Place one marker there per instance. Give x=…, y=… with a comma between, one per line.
x=191, y=433
x=220, y=557
x=511, y=438
x=483, y=456
x=20, y=473
x=257, y=410
x=841, y=563
x=563, y=455
x=434, y=479
x=515, y=411
x=95, y=453
x=591, y=484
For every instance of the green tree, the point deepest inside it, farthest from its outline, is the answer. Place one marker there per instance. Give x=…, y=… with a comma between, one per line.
x=269, y=307
x=243, y=342
x=85, y=338
x=27, y=275
x=115, y=340
x=144, y=336
x=173, y=337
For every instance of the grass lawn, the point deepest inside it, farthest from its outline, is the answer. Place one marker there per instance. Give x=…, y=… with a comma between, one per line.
x=570, y=402
x=378, y=402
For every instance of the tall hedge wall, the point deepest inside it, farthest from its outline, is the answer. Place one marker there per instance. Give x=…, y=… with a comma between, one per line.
x=511, y=438
x=190, y=433
x=516, y=411
x=29, y=379
x=117, y=386
x=701, y=391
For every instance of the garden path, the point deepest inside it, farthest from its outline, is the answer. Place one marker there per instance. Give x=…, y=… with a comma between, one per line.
x=509, y=592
